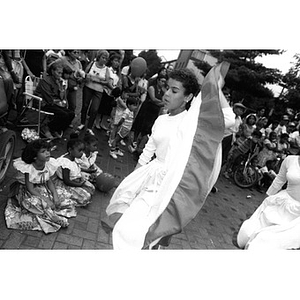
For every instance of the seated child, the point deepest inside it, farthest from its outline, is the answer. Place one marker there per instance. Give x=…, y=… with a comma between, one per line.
x=124, y=126
x=251, y=144
x=69, y=173
x=103, y=181
x=87, y=161
x=41, y=205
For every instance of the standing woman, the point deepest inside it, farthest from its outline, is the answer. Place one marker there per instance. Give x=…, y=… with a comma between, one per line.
x=163, y=194
x=97, y=77
x=150, y=109
x=106, y=104
x=71, y=59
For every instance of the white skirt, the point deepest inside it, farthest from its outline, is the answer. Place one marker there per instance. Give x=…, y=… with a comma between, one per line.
x=274, y=225
x=135, y=199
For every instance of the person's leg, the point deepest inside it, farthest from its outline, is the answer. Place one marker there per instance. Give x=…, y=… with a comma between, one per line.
x=96, y=100
x=226, y=146
x=71, y=98
x=87, y=95
x=61, y=119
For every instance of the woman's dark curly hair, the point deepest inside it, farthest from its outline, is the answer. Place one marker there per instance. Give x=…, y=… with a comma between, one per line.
x=31, y=150
x=188, y=80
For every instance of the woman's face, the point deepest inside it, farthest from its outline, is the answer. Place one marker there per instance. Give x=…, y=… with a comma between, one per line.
x=57, y=73
x=115, y=63
x=174, y=98
x=162, y=82
x=43, y=155
x=74, y=53
x=103, y=59
x=251, y=120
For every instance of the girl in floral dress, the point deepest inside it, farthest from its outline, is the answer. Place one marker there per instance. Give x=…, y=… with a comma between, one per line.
x=35, y=203
x=70, y=177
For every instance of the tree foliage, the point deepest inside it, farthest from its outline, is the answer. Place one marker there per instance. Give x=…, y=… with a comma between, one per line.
x=290, y=84
x=246, y=79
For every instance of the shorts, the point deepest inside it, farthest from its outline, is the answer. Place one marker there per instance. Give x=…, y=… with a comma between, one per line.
x=123, y=132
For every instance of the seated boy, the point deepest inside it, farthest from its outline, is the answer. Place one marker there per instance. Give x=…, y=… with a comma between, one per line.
x=251, y=144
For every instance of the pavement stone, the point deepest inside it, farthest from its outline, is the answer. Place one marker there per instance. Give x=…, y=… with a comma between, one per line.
x=214, y=227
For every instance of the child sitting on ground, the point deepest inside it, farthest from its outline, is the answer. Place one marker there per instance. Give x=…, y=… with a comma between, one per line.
x=69, y=173
x=41, y=205
x=251, y=144
x=87, y=161
x=103, y=181
x=124, y=126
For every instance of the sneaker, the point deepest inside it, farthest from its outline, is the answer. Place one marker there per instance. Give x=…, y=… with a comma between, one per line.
x=119, y=152
x=123, y=143
x=113, y=154
x=90, y=131
x=80, y=127
x=109, y=144
x=131, y=149
x=71, y=126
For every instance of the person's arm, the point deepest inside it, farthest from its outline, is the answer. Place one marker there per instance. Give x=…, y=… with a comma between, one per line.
x=32, y=191
x=151, y=92
x=269, y=146
x=9, y=66
x=27, y=69
x=280, y=179
x=107, y=79
x=52, y=188
x=68, y=181
x=45, y=91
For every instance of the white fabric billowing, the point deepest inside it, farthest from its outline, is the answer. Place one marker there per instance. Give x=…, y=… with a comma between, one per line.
x=276, y=223
x=140, y=210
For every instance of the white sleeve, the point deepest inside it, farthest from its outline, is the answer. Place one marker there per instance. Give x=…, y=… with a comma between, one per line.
x=229, y=117
x=149, y=149
x=280, y=179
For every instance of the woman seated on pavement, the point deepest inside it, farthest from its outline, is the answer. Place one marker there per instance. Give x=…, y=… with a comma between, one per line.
x=50, y=89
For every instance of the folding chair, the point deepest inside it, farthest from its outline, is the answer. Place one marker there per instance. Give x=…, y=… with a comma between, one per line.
x=33, y=103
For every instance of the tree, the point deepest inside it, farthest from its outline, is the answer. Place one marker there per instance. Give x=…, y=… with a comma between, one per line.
x=290, y=84
x=246, y=79
x=153, y=61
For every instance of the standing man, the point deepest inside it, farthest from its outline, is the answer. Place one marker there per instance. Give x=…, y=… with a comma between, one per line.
x=229, y=134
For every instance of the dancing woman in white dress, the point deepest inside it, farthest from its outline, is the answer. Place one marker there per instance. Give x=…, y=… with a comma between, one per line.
x=276, y=224
x=166, y=192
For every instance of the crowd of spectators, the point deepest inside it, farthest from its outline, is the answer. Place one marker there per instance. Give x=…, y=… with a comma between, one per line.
x=272, y=140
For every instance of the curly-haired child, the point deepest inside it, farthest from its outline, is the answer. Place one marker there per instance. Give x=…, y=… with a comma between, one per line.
x=35, y=202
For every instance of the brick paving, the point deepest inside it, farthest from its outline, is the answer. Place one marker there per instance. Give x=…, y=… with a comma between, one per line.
x=214, y=227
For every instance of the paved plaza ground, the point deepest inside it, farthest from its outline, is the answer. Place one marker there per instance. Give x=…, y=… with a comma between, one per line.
x=214, y=227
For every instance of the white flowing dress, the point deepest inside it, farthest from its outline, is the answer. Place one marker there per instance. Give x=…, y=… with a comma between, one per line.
x=137, y=190
x=276, y=223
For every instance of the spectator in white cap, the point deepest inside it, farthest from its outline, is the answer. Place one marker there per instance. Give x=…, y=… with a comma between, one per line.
x=229, y=134
x=281, y=128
